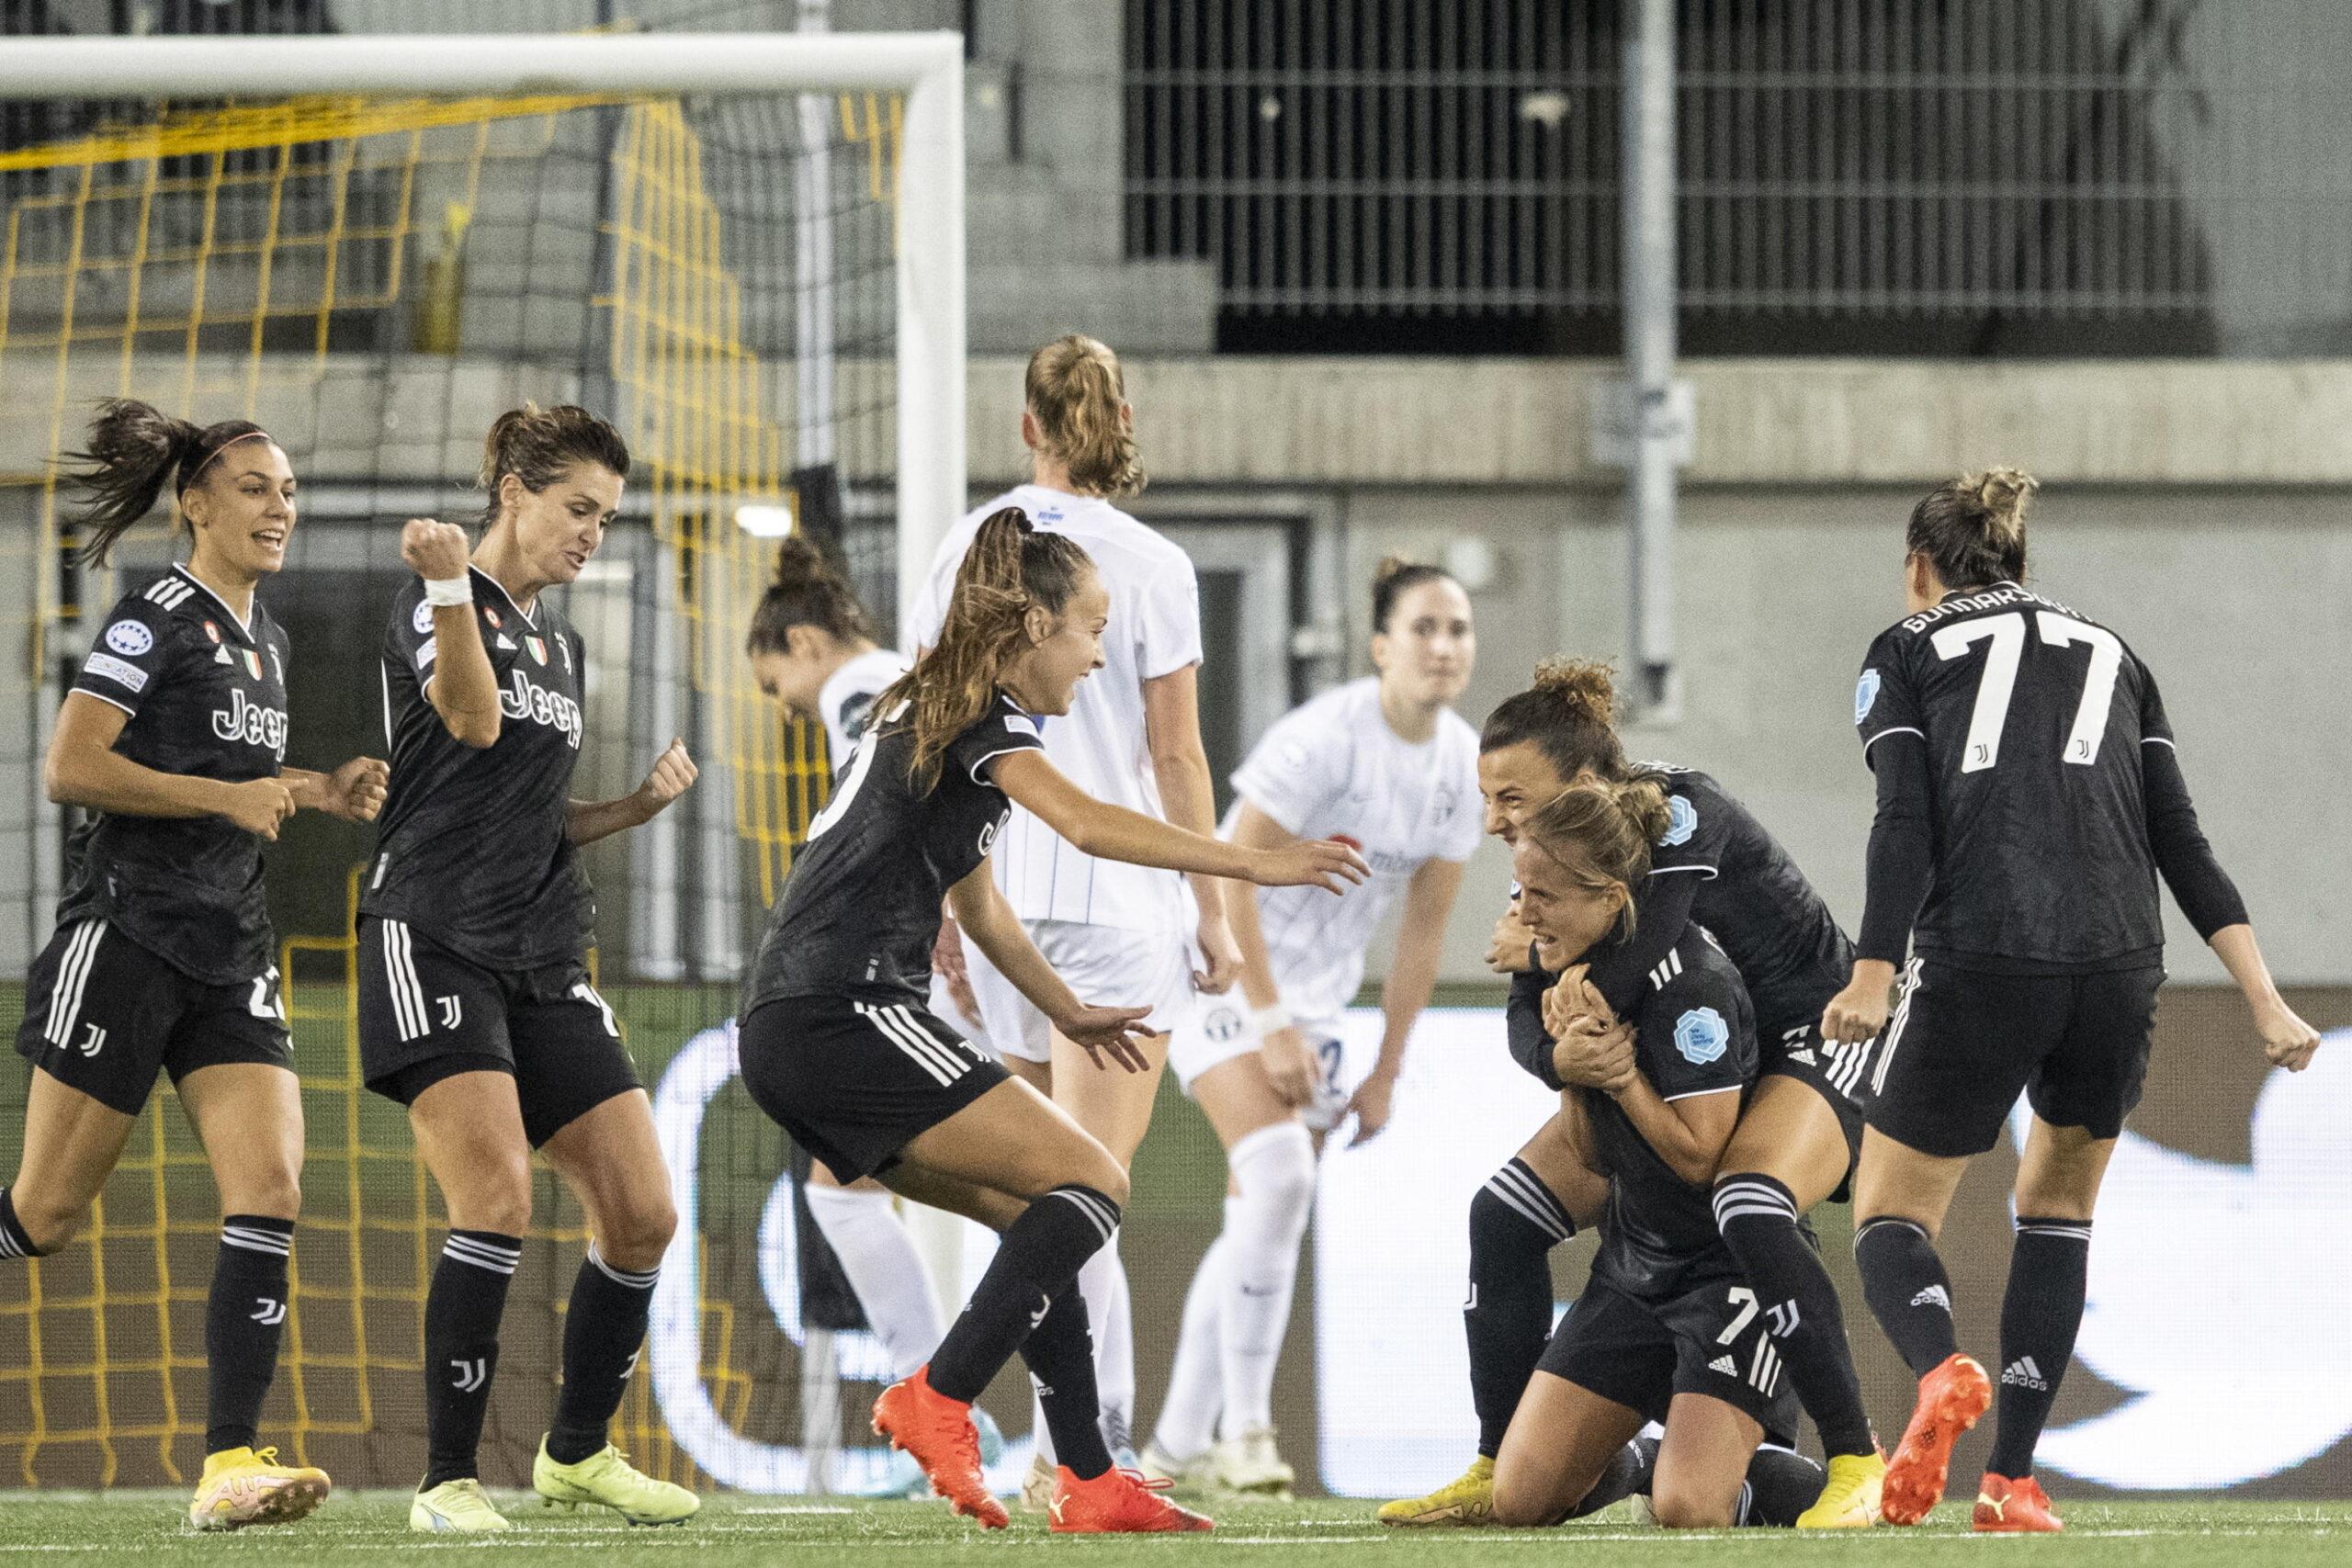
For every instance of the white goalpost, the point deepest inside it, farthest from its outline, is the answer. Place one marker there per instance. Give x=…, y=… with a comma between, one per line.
x=928, y=68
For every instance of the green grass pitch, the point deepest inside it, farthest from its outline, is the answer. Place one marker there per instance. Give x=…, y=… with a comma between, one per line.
x=741, y=1532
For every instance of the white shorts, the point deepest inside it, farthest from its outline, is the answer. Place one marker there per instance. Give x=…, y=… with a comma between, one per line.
x=1220, y=1031
x=1106, y=965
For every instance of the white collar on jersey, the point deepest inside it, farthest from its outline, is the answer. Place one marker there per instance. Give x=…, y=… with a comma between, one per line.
x=205, y=589
x=528, y=619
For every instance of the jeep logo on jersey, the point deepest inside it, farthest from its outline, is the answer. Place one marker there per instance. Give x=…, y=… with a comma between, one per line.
x=525, y=698
x=250, y=721
x=1681, y=821
x=1701, y=1035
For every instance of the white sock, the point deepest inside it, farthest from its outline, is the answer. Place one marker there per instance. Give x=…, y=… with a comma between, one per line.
x=1196, y=1382
x=1274, y=1170
x=1105, y=1280
x=885, y=1271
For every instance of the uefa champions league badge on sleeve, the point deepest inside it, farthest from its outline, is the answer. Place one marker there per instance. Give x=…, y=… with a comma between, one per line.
x=422, y=621
x=1701, y=1035
x=1865, y=694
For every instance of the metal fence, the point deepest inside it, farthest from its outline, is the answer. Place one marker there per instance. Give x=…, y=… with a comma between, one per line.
x=2044, y=159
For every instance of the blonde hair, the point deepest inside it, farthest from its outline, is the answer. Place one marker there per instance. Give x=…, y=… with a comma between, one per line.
x=1599, y=831
x=1009, y=567
x=1075, y=392
x=1972, y=529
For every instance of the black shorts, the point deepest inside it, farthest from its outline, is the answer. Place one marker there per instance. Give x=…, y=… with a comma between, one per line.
x=1963, y=1043
x=103, y=1014
x=1838, y=1072
x=427, y=1014
x=1708, y=1338
x=854, y=1082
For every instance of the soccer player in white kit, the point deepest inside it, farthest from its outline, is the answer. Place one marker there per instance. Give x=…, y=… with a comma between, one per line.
x=1123, y=935
x=1384, y=763
x=812, y=648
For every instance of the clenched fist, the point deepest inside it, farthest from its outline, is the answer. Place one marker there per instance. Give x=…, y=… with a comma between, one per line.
x=435, y=551
x=674, y=773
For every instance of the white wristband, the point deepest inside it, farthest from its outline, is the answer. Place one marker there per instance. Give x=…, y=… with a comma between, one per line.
x=1270, y=1019
x=443, y=591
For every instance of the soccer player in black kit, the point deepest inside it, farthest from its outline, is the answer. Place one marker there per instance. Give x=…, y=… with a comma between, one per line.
x=475, y=1007
x=839, y=1046
x=172, y=740
x=1715, y=865
x=2029, y=796
x=1668, y=1329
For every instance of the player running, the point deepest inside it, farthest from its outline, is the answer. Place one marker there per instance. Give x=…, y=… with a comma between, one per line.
x=1386, y=764
x=1117, y=932
x=2029, y=795
x=838, y=1046
x=172, y=741
x=811, y=648
x=1667, y=1329
x=1715, y=864
x=475, y=1006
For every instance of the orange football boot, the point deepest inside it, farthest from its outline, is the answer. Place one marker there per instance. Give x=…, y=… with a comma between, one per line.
x=1118, y=1502
x=1952, y=1398
x=937, y=1432
x=2013, y=1507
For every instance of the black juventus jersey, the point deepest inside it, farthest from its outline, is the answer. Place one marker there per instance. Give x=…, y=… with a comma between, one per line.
x=860, y=911
x=2033, y=719
x=1718, y=866
x=1694, y=1034
x=207, y=698
x=473, y=848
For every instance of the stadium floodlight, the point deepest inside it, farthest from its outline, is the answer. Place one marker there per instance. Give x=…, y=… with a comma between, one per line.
x=927, y=67
x=765, y=522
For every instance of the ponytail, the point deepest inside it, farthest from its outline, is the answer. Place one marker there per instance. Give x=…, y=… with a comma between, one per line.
x=1972, y=530
x=1009, y=567
x=1600, y=833
x=1075, y=392
x=807, y=592
x=537, y=445
x=1569, y=715
x=133, y=448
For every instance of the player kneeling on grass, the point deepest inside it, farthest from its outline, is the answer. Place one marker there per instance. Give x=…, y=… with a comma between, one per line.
x=1667, y=1329
x=170, y=741
x=839, y=1046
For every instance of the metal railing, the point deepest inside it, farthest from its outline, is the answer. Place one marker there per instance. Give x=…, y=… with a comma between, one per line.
x=2042, y=159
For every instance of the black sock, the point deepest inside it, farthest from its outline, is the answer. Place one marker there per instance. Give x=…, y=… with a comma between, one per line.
x=1909, y=1291
x=1515, y=1221
x=1060, y=1353
x=244, y=1317
x=1630, y=1470
x=604, y=1329
x=1036, y=1261
x=14, y=1242
x=1781, y=1484
x=461, y=1313
x=1757, y=1217
x=2049, y=1271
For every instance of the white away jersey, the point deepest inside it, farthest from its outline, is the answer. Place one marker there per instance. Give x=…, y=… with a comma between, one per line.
x=1333, y=768
x=846, y=700
x=1154, y=629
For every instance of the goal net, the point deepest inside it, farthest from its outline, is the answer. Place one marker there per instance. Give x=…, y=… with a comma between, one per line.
x=373, y=276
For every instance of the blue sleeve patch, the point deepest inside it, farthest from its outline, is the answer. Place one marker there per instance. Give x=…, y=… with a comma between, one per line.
x=1681, y=821
x=1701, y=1035
x=1865, y=694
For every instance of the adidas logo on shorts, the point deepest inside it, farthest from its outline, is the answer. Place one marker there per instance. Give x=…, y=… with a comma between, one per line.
x=2023, y=1373
x=1724, y=1365
x=1934, y=1295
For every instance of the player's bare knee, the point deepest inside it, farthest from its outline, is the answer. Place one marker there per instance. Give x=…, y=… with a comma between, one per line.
x=276, y=1194
x=49, y=1224
x=638, y=1238
x=496, y=1198
x=1523, y=1502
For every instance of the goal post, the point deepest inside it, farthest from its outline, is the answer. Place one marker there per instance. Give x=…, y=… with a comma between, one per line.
x=927, y=68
